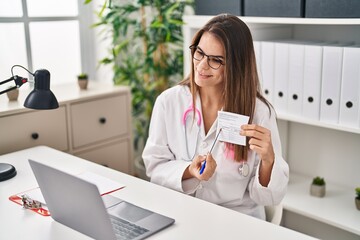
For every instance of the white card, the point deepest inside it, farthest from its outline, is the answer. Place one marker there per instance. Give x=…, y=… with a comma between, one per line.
x=230, y=124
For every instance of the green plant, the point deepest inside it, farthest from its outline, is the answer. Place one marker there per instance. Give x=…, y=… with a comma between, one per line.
x=357, y=191
x=146, y=51
x=318, y=181
x=82, y=76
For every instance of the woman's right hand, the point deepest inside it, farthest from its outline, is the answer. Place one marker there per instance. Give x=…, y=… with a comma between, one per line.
x=194, y=168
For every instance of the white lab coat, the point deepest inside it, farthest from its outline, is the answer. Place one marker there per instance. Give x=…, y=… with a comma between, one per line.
x=165, y=152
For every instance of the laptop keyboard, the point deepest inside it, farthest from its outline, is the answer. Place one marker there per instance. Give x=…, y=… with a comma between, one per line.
x=126, y=230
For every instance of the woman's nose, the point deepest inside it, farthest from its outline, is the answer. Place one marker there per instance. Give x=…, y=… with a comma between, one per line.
x=203, y=63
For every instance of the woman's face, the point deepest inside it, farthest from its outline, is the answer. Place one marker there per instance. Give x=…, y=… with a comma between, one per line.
x=205, y=76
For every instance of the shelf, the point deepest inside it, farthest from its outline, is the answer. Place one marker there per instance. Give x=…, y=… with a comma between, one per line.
x=309, y=157
x=337, y=208
x=317, y=123
x=269, y=25
x=198, y=21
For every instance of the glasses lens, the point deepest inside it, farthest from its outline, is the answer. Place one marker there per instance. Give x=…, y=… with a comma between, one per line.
x=214, y=62
x=198, y=55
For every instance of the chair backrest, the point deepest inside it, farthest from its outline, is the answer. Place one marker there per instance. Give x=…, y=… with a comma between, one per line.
x=274, y=213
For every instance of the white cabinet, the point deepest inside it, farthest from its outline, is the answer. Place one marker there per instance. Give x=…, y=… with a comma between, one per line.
x=94, y=124
x=98, y=120
x=114, y=155
x=23, y=130
x=312, y=148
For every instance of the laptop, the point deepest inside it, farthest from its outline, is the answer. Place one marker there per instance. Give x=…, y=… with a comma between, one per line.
x=77, y=204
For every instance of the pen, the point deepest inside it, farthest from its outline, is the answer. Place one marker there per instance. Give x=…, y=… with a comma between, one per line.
x=204, y=163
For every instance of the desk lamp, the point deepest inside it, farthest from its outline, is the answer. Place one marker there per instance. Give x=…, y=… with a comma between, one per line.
x=40, y=97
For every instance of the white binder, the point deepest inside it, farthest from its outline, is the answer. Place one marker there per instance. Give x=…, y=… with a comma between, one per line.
x=267, y=49
x=296, y=78
x=313, y=57
x=350, y=88
x=331, y=83
x=257, y=49
x=281, y=75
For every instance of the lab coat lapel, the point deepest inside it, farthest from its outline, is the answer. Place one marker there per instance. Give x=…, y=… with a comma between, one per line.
x=202, y=130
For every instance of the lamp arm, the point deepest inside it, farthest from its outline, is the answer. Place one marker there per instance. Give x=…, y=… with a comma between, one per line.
x=19, y=81
x=7, y=80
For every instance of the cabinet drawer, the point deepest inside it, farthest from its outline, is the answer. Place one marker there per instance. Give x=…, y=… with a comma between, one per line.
x=34, y=128
x=115, y=156
x=99, y=120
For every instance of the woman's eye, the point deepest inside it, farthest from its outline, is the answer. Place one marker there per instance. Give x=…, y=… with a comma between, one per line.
x=199, y=53
x=216, y=60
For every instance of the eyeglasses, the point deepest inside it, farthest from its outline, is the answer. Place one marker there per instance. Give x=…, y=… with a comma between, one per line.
x=198, y=54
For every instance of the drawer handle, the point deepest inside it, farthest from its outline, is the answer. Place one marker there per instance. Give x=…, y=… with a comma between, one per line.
x=34, y=136
x=102, y=120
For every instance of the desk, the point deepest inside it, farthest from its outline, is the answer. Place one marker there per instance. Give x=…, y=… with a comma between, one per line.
x=194, y=218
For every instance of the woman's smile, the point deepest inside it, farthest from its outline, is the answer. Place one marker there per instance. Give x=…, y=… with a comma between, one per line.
x=203, y=75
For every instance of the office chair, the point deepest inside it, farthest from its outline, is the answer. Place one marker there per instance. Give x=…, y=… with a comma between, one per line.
x=274, y=213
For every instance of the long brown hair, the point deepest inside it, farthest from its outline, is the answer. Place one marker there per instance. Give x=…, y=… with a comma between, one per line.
x=241, y=82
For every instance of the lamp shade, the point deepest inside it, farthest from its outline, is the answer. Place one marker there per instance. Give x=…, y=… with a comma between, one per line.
x=41, y=97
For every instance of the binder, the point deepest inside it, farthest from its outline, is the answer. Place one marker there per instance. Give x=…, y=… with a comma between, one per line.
x=350, y=88
x=257, y=50
x=313, y=57
x=273, y=8
x=267, y=49
x=281, y=74
x=331, y=83
x=296, y=78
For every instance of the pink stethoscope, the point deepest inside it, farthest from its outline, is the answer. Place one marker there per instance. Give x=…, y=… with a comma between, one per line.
x=198, y=123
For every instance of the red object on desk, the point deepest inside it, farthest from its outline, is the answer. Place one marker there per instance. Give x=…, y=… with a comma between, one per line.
x=41, y=211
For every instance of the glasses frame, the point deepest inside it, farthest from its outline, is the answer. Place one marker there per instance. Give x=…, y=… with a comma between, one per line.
x=193, y=48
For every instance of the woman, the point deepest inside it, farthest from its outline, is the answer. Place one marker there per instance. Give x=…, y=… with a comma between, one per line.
x=184, y=122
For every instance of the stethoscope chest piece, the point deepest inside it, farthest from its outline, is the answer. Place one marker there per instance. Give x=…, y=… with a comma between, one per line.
x=244, y=169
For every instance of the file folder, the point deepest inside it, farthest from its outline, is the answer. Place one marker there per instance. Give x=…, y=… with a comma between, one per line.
x=296, y=78
x=281, y=75
x=350, y=88
x=331, y=83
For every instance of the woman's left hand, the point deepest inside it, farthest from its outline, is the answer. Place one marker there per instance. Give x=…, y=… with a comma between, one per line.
x=260, y=141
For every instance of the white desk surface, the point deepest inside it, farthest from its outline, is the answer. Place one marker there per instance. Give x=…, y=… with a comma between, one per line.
x=194, y=218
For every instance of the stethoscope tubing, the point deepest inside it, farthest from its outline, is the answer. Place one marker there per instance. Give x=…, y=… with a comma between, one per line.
x=187, y=144
x=198, y=123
